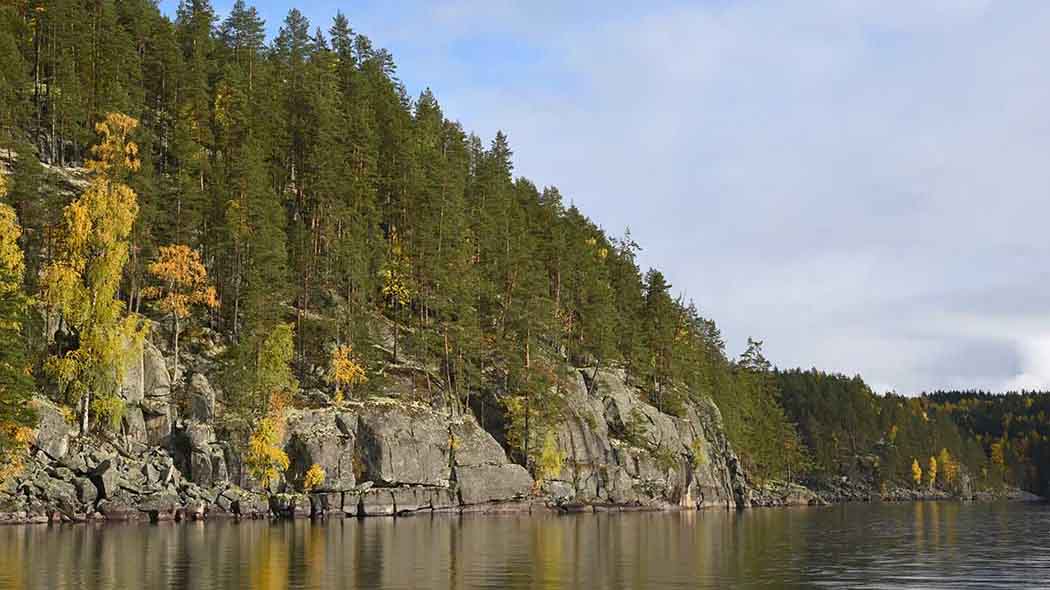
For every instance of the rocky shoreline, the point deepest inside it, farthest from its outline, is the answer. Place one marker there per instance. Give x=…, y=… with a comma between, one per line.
x=388, y=457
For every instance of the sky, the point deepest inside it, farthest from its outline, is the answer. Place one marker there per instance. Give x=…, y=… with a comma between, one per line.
x=863, y=185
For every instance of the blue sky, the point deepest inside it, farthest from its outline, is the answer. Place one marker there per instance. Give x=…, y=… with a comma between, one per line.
x=862, y=184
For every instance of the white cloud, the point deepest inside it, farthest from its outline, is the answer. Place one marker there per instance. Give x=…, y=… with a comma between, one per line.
x=864, y=185
x=833, y=177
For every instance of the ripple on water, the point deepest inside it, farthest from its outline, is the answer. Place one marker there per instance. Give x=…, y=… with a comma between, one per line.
x=923, y=545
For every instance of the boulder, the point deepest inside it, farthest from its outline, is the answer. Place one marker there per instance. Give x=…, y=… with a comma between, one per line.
x=107, y=479
x=322, y=504
x=376, y=502
x=289, y=505
x=52, y=430
x=160, y=506
x=404, y=446
x=134, y=423
x=147, y=385
x=57, y=495
x=199, y=453
x=119, y=508
x=201, y=398
x=472, y=445
x=325, y=438
x=253, y=505
x=492, y=483
x=86, y=491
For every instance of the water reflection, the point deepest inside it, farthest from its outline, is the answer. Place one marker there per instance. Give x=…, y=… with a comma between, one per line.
x=861, y=546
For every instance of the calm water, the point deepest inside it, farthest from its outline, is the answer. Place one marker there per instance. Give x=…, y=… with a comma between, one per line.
x=924, y=545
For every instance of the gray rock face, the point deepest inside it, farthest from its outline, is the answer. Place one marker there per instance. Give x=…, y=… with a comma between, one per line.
x=147, y=387
x=621, y=450
x=119, y=508
x=326, y=438
x=202, y=398
x=134, y=423
x=52, y=431
x=471, y=445
x=381, y=458
x=386, y=459
x=404, y=447
x=489, y=483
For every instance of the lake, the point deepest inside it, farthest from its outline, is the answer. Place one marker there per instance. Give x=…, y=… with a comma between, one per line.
x=920, y=545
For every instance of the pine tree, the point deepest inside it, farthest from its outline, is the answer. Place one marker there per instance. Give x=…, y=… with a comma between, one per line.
x=14, y=81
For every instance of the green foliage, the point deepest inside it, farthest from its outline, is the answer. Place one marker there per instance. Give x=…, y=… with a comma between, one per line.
x=841, y=421
x=533, y=413
x=635, y=428
x=330, y=206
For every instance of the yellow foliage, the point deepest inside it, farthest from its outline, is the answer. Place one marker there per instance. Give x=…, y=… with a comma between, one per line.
x=116, y=150
x=13, y=459
x=948, y=466
x=108, y=410
x=916, y=471
x=83, y=280
x=931, y=471
x=551, y=458
x=313, y=478
x=184, y=281
x=266, y=460
x=396, y=274
x=344, y=371
x=998, y=453
x=12, y=262
x=223, y=104
x=699, y=453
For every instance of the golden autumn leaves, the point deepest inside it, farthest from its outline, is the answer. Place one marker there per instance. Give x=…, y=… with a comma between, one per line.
x=183, y=284
x=943, y=466
x=183, y=281
x=97, y=334
x=82, y=282
x=81, y=285
x=345, y=372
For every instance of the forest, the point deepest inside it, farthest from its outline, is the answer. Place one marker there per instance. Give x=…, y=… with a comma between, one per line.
x=192, y=180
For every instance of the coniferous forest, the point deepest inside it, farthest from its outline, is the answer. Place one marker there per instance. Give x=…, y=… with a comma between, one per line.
x=192, y=181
